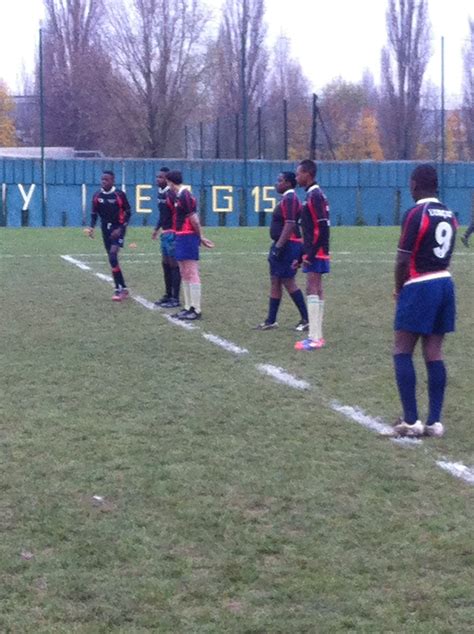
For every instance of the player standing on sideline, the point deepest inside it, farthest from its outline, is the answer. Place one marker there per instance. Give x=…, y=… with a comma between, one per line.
x=112, y=206
x=469, y=230
x=167, y=241
x=424, y=292
x=188, y=239
x=286, y=247
x=315, y=226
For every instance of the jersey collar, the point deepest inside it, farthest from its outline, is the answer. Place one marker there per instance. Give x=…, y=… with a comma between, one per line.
x=163, y=190
x=111, y=190
x=313, y=186
x=289, y=191
x=422, y=201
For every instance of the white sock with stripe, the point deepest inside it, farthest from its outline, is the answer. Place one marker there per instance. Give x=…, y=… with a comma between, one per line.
x=195, y=292
x=313, y=316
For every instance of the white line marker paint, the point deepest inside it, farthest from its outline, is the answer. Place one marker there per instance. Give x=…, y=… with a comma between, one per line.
x=223, y=343
x=77, y=263
x=358, y=416
x=283, y=377
x=458, y=470
x=178, y=322
x=104, y=278
x=144, y=302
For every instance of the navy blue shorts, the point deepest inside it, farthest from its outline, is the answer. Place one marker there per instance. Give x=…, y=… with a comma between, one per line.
x=319, y=265
x=167, y=244
x=427, y=308
x=187, y=246
x=282, y=268
x=108, y=240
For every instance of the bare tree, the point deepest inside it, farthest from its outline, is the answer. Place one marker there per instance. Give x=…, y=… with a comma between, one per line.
x=287, y=83
x=404, y=62
x=159, y=51
x=237, y=61
x=468, y=99
x=77, y=74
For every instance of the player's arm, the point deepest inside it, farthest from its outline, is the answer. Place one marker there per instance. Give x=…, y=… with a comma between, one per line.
x=94, y=215
x=126, y=208
x=196, y=225
x=402, y=270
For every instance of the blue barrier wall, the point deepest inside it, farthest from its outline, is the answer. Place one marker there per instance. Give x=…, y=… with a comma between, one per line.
x=367, y=192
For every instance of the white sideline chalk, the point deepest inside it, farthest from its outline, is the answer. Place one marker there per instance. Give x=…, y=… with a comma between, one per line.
x=179, y=322
x=458, y=470
x=223, y=343
x=144, y=302
x=77, y=263
x=358, y=416
x=283, y=377
x=105, y=278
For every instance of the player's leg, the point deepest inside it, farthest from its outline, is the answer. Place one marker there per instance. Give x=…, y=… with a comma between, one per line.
x=175, y=280
x=405, y=375
x=194, y=279
x=273, y=304
x=465, y=237
x=297, y=297
x=121, y=289
x=437, y=379
x=185, y=279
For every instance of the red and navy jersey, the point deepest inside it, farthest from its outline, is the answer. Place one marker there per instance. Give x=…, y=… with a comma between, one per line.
x=315, y=224
x=287, y=210
x=428, y=234
x=166, y=199
x=185, y=207
x=111, y=207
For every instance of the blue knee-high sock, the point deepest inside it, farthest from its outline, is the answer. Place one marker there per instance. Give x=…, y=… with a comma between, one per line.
x=436, y=388
x=273, y=306
x=406, y=381
x=300, y=304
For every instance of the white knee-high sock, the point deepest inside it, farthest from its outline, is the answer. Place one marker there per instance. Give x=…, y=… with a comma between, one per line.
x=313, y=316
x=187, y=295
x=320, y=318
x=195, y=292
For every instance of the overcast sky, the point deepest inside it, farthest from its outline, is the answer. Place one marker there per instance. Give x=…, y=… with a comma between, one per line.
x=330, y=38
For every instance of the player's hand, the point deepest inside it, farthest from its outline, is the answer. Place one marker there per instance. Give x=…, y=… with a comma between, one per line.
x=89, y=231
x=395, y=294
x=276, y=253
x=207, y=243
x=154, y=235
x=295, y=265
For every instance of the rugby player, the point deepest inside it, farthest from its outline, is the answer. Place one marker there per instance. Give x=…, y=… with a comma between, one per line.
x=112, y=207
x=315, y=226
x=425, y=301
x=286, y=247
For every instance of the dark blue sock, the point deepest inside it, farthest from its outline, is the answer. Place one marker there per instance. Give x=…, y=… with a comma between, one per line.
x=436, y=388
x=406, y=381
x=273, y=307
x=298, y=299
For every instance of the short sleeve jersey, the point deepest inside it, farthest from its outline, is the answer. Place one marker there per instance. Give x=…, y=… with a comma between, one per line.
x=166, y=199
x=185, y=206
x=315, y=224
x=428, y=234
x=287, y=210
x=111, y=207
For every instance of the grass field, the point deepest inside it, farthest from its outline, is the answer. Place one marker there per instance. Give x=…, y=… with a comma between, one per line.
x=230, y=502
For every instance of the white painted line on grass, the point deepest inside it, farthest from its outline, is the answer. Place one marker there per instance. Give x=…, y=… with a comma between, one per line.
x=223, y=343
x=104, y=278
x=144, y=302
x=358, y=416
x=78, y=263
x=283, y=377
x=179, y=322
x=458, y=470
